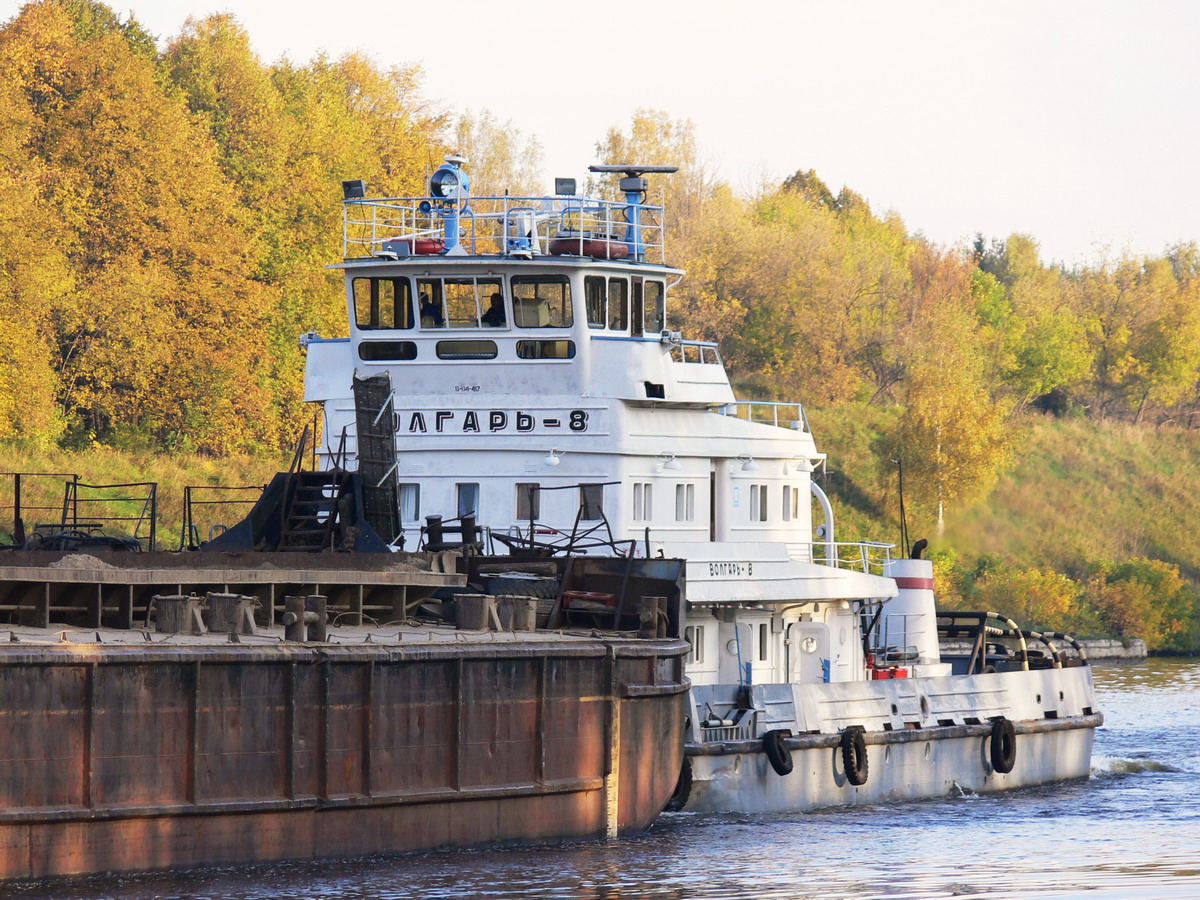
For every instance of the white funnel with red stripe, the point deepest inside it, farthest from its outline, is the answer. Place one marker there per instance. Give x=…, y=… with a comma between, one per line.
x=909, y=621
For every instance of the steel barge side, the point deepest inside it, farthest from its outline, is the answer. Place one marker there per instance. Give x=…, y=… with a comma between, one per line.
x=127, y=750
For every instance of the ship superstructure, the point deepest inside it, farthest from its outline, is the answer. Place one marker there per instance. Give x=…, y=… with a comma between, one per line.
x=541, y=402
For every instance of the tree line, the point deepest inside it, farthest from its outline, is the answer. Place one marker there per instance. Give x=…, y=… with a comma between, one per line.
x=166, y=214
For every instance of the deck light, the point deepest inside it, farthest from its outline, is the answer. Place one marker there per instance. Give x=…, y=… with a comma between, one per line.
x=354, y=190
x=565, y=187
x=669, y=462
x=553, y=458
x=748, y=463
x=450, y=182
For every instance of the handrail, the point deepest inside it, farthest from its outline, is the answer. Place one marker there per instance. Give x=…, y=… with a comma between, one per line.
x=770, y=412
x=391, y=225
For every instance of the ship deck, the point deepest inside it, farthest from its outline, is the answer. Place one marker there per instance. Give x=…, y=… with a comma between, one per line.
x=114, y=591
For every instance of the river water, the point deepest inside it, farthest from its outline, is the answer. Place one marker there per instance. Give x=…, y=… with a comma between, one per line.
x=1131, y=831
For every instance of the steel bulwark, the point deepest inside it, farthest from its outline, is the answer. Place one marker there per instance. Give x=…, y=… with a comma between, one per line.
x=117, y=758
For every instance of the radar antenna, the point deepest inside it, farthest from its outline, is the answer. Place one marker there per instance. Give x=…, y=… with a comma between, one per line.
x=634, y=186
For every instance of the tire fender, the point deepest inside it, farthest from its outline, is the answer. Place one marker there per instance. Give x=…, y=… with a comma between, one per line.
x=854, y=754
x=777, y=752
x=1003, y=745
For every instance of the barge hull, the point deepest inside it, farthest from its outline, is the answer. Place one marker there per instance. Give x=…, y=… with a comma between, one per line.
x=126, y=758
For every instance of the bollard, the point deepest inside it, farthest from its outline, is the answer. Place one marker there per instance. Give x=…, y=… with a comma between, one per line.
x=524, y=613
x=177, y=614
x=471, y=612
x=305, y=619
x=231, y=613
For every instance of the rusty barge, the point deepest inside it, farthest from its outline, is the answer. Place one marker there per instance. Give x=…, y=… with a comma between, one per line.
x=163, y=710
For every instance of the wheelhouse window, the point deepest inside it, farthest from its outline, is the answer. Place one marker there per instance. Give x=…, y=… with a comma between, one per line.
x=542, y=301
x=466, y=350
x=545, y=349
x=467, y=496
x=596, y=300
x=618, y=304
x=643, y=501
x=410, y=502
x=387, y=351
x=758, y=503
x=694, y=635
x=529, y=501
x=591, y=502
x=459, y=302
x=685, y=502
x=382, y=303
x=655, y=304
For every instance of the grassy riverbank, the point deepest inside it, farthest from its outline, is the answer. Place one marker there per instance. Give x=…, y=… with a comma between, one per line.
x=1089, y=529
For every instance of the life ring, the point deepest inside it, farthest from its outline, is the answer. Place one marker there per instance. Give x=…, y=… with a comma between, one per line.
x=778, y=755
x=1003, y=745
x=854, y=754
x=683, y=788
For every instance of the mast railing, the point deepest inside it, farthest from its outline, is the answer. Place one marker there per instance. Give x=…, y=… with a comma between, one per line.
x=868, y=557
x=501, y=226
x=703, y=352
x=769, y=412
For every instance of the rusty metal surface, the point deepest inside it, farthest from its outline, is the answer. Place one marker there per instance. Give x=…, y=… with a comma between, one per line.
x=127, y=757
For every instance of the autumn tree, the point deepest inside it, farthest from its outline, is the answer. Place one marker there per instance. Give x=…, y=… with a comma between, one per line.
x=500, y=157
x=953, y=438
x=163, y=301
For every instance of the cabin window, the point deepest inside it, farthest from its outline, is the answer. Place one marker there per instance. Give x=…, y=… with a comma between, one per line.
x=635, y=309
x=655, y=307
x=787, y=503
x=694, y=635
x=545, y=349
x=758, y=503
x=542, y=301
x=387, y=351
x=460, y=302
x=618, y=304
x=591, y=502
x=685, y=502
x=382, y=303
x=467, y=496
x=643, y=501
x=763, y=641
x=595, y=300
x=529, y=501
x=410, y=502
x=466, y=349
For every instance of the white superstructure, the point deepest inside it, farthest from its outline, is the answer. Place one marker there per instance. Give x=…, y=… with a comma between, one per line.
x=540, y=392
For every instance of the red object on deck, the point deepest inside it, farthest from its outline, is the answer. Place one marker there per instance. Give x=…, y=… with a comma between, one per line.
x=590, y=596
x=597, y=248
x=885, y=674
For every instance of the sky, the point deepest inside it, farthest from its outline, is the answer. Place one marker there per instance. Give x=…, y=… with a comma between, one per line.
x=1073, y=122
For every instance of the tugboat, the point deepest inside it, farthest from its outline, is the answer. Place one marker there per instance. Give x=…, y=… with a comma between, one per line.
x=542, y=406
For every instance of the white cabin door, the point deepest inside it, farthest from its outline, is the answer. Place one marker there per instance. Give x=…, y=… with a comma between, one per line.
x=810, y=658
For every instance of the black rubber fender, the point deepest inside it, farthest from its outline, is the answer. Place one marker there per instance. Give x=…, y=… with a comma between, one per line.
x=683, y=787
x=778, y=755
x=854, y=754
x=1003, y=745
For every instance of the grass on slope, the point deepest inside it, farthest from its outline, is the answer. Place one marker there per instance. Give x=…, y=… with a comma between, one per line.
x=1081, y=491
x=1076, y=491
x=102, y=466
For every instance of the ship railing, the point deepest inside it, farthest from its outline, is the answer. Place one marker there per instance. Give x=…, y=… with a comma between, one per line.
x=702, y=352
x=770, y=412
x=503, y=226
x=868, y=557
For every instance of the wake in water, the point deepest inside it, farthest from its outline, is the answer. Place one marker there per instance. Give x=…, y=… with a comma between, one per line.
x=1111, y=765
